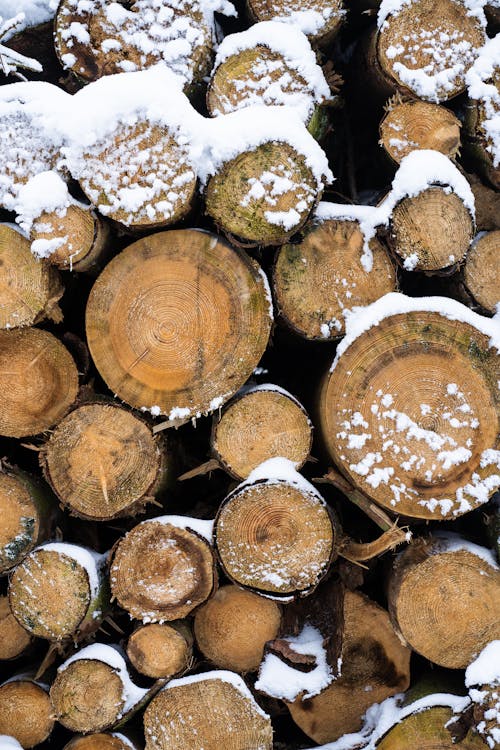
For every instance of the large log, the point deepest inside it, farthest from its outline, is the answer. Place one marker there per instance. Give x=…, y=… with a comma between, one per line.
x=25, y=711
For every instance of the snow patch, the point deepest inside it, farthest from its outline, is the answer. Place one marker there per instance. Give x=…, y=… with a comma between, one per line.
x=91, y=561
x=202, y=528
x=480, y=86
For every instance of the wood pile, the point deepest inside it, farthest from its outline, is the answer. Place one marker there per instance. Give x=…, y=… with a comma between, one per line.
x=250, y=375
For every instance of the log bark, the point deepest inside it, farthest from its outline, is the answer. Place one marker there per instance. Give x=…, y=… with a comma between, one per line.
x=390, y=398
x=161, y=572
x=375, y=665
x=104, y=462
x=59, y=592
x=161, y=650
x=232, y=628
x=443, y=598
x=28, y=511
x=427, y=729
x=261, y=422
x=319, y=279
x=414, y=124
x=177, y=322
x=275, y=537
x=38, y=381
x=481, y=271
x=211, y=710
x=29, y=289
x=327, y=23
x=25, y=711
x=487, y=204
x=14, y=639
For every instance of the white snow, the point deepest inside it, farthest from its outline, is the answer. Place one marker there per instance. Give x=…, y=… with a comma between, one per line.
x=279, y=680
x=480, y=86
x=448, y=541
x=485, y=670
x=202, y=528
x=310, y=20
x=45, y=192
x=111, y=655
x=123, y=739
x=483, y=679
x=34, y=12
x=91, y=561
x=277, y=470
x=9, y=743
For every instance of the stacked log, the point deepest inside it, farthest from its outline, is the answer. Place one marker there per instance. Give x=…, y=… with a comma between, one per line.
x=249, y=377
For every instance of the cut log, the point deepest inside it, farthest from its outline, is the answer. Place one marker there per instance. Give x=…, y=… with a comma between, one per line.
x=80, y=234
x=443, y=598
x=28, y=510
x=232, y=628
x=25, y=712
x=321, y=21
x=481, y=272
x=428, y=729
x=14, y=639
x=409, y=410
x=211, y=710
x=261, y=422
x=93, y=691
x=161, y=650
x=375, y=665
x=101, y=741
x=275, y=534
x=414, y=124
x=38, y=381
x=324, y=276
x=161, y=571
x=417, y=40
x=59, y=592
x=95, y=40
x=103, y=461
x=177, y=322
x=29, y=288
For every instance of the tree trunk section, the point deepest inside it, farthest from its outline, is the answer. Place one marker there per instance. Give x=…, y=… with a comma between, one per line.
x=427, y=730
x=161, y=651
x=14, y=640
x=177, y=323
x=25, y=712
x=481, y=272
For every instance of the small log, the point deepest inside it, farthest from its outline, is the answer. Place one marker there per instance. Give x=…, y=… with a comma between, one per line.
x=408, y=413
x=261, y=422
x=177, y=322
x=101, y=741
x=104, y=462
x=428, y=729
x=443, y=598
x=81, y=235
x=211, y=710
x=93, y=691
x=161, y=571
x=321, y=21
x=161, y=650
x=232, y=628
x=25, y=711
x=27, y=510
x=275, y=534
x=319, y=279
x=14, y=639
x=59, y=592
x=417, y=40
x=414, y=124
x=375, y=665
x=431, y=231
x=38, y=381
x=29, y=288
x=481, y=272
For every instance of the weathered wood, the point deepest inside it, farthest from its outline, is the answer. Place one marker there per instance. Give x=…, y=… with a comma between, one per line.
x=328, y=16
x=14, y=639
x=161, y=650
x=481, y=271
x=25, y=711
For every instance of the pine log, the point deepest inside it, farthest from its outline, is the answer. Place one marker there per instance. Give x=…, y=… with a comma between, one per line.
x=29, y=289
x=177, y=322
x=375, y=665
x=322, y=19
x=25, y=711
x=101, y=741
x=443, y=598
x=261, y=422
x=59, y=592
x=104, y=462
x=14, y=639
x=93, y=691
x=161, y=571
x=232, y=628
x=161, y=650
x=431, y=231
x=415, y=124
x=81, y=234
x=481, y=272
x=428, y=729
x=409, y=413
x=93, y=40
x=28, y=510
x=38, y=381
x=417, y=40
x=275, y=535
x=209, y=711
x=319, y=279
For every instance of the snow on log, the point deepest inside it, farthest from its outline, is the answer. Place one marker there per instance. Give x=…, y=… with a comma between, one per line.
x=25, y=711
x=320, y=20
x=161, y=651
x=482, y=677
x=102, y=741
x=443, y=598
